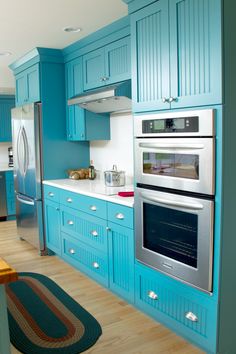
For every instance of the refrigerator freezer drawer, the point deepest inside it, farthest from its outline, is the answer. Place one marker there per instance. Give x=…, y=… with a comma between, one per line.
x=29, y=218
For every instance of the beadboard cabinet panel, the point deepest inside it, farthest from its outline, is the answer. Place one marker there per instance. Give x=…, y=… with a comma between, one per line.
x=5, y=119
x=176, y=55
x=52, y=224
x=150, y=56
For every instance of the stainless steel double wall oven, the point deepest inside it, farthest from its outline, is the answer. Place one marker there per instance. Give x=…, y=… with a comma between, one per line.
x=174, y=197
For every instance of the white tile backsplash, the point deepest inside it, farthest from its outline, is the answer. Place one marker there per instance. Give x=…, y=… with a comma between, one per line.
x=4, y=152
x=117, y=151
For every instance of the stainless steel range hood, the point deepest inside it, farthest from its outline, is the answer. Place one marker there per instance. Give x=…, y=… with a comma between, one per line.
x=108, y=99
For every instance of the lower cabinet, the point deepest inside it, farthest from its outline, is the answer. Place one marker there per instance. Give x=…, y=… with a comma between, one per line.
x=10, y=195
x=121, y=260
x=52, y=226
x=188, y=312
x=92, y=235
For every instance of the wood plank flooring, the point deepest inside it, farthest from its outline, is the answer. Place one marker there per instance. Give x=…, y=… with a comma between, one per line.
x=125, y=329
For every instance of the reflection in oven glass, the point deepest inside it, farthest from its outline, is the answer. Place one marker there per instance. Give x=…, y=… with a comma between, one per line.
x=174, y=165
x=171, y=233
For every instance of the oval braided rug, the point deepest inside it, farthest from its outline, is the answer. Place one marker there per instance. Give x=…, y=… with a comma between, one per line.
x=44, y=319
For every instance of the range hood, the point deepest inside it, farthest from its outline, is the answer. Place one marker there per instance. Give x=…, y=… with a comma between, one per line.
x=108, y=99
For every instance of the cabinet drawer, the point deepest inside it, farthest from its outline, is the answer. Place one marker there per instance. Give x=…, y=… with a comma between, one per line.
x=84, y=203
x=120, y=214
x=86, y=228
x=183, y=309
x=87, y=259
x=51, y=193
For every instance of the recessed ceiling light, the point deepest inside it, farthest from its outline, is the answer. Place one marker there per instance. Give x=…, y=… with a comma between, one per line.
x=5, y=54
x=72, y=29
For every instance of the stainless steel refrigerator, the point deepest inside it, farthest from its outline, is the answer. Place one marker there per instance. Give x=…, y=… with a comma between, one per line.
x=26, y=135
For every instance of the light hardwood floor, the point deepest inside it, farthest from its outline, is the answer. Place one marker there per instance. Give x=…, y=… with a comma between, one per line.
x=125, y=329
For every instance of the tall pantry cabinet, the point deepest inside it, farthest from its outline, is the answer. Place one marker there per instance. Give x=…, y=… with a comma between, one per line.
x=183, y=57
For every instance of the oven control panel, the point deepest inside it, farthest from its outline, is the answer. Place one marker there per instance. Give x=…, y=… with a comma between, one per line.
x=171, y=125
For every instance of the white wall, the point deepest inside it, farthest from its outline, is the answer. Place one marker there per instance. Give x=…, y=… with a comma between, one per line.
x=4, y=153
x=117, y=151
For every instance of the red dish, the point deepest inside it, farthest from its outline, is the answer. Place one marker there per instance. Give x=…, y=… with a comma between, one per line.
x=126, y=194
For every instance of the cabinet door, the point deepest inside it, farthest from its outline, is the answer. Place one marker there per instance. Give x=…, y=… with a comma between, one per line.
x=21, y=89
x=94, y=69
x=121, y=260
x=195, y=60
x=117, y=61
x=52, y=225
x=5, y=119
x=10, y=195
x=150, y=57
x=33, y=88
x=75, y=114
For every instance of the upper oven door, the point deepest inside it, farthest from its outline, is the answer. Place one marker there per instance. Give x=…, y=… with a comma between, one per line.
x=185, y=164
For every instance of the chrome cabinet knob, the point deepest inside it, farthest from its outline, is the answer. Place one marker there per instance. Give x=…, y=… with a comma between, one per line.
x=93, y=207
x=165, y=100
x=69, y=135
x=82, y=135
x=191, y=316
x=71, y=251
x=108, y=228
x=57, y=208
x=94, y=233
x=70, y=222
x=173, y=99
x=152, y=295
x=120, y=216
x=51, y=194
x=69, y=200
x=95, y=265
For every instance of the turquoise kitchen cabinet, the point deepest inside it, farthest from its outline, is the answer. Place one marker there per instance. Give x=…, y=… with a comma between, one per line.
x=176, y=55
x=28, y=85
x=82, y=125
x=88, y=229
x=52, y=225
x=121, y=260
x=6, y=104
x=190, y=313
x=107, y=65
x=10, y=194
x=87, y=259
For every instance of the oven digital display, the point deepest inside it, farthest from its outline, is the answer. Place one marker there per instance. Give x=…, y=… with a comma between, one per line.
x=159, y=124
x=179, y=123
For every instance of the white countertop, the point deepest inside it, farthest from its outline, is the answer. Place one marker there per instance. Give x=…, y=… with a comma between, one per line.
x=95, y=188
x=5, y=167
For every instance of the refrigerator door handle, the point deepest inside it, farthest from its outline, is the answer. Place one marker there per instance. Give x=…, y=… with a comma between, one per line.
x=26, y=150
x=24, y=200
x=20, y=151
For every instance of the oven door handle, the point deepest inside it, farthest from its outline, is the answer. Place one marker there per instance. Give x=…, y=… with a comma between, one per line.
x=171, y=146
x=191, y=206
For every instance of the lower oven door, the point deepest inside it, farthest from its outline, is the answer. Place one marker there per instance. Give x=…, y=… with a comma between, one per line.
x=185, y=164
x=174, y=234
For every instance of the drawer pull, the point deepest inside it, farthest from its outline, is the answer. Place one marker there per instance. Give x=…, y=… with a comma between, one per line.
x=94, y=233
x=120, y=216
x=152, y=295
x=51, y=194
x=69, y=200
x=95, y=265
x=71, y=251
x=57, y=208
x=70, y=222
x=93, y=207
x=191, y=316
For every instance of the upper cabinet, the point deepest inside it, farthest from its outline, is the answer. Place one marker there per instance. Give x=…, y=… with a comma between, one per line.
x=176, y=55
x=6, y=104
x=107, y=65
x=81, y=124
x=28, y=85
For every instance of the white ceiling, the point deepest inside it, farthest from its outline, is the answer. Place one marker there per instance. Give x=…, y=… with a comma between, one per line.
x=26, y=24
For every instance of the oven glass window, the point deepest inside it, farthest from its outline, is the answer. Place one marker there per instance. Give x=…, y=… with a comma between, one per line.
x=171, y=233
x=173, y=165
